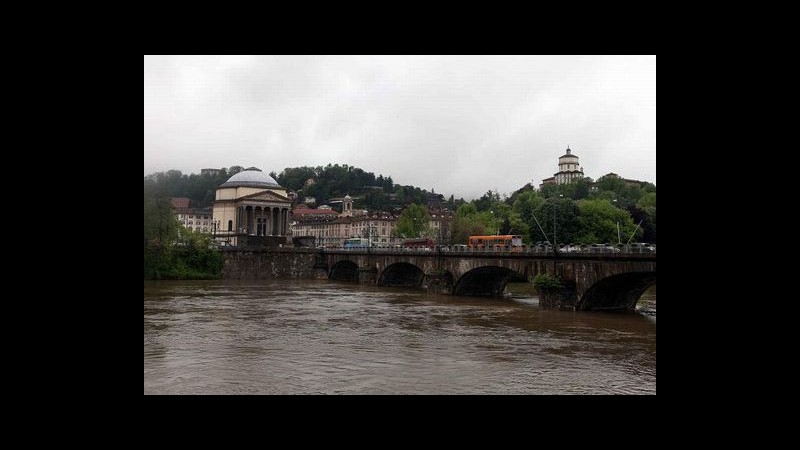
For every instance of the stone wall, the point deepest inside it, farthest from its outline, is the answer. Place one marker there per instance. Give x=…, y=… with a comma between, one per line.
x=273, y=263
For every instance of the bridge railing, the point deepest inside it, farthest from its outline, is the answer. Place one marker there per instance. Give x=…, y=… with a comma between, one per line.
x=524, y=249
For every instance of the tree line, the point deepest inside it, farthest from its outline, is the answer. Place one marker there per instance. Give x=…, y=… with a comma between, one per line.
x=582, y=212
x=371, y=192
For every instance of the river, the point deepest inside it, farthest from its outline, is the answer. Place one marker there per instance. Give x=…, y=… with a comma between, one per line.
x=326, y=337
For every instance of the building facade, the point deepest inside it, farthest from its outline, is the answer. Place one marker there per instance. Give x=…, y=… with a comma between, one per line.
x=330, y=229
x=194, y=219
x=251, y=203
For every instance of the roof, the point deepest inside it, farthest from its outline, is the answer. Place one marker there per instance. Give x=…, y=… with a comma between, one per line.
x=569, y=153
x=179, y=202
x=309, y=211
x=251, y=177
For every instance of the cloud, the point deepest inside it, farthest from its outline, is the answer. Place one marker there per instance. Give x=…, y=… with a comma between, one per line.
x=458, y=124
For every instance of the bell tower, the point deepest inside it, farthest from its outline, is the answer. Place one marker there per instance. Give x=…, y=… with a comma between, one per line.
x=347, y=206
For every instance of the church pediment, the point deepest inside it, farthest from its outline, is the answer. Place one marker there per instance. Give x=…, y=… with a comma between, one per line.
x=266, y=196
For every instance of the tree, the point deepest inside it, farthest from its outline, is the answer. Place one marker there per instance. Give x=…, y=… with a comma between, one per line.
x=578, y=188
x=598, y=222
x=487, y=201
x=468, y=221
x=160, y=223
x=648, y=200
x=526, y=205
x=413, y=222
x=160, y=232
x=567, y=224
x=513, y=224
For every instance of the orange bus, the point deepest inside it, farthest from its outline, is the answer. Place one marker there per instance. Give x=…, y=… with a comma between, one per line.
x=504, y=240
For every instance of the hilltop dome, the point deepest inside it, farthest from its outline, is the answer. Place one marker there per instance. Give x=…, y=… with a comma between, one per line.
x=251, y=177
x=569, y=154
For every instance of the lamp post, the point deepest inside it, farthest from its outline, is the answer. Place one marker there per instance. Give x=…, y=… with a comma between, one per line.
x=619, y=240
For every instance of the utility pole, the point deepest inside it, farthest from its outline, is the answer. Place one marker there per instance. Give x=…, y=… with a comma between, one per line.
x=555, y=248
x=555, y=244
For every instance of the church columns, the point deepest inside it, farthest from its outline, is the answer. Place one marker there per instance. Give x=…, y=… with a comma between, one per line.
x=271, y=222
x=257, y=220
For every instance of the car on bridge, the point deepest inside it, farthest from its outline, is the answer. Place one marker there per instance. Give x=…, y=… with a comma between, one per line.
x=642, y=247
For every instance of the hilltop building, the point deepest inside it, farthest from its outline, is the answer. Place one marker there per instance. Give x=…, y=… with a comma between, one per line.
x=568, y=170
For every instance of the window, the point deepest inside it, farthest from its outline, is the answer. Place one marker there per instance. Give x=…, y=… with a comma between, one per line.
x=230, y=225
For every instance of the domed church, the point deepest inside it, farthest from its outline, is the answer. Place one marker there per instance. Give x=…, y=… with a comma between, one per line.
x=251, y=209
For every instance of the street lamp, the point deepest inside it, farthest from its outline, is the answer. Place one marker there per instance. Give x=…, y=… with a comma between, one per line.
x=619, y=240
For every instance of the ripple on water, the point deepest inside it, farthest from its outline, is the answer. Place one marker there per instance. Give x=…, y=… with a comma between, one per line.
x=317, y=336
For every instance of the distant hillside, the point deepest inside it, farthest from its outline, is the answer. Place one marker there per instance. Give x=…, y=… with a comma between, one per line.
x=322, y=183
x=368, y=191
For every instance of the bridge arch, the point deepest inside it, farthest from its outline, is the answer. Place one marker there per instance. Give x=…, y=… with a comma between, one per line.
x=487, y=281
x=345, y=270
x=401, y=274
x=617, y=292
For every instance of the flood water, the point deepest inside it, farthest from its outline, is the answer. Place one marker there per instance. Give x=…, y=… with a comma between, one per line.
x=326, y=337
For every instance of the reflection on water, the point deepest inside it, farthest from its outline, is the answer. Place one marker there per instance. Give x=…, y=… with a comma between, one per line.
x=319, y=336
x=647, y=303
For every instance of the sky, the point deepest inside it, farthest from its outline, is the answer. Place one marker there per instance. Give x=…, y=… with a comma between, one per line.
x=458, y=125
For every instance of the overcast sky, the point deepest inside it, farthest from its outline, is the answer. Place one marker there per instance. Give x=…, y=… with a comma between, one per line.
x=456, y=124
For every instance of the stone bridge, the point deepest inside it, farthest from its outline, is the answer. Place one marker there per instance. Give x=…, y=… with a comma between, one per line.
x=603, y=281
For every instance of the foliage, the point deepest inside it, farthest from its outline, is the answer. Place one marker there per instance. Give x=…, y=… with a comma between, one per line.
x=525, y=206
x=488, y=201
x=561, y=214
x=172, y=251
x=367, y=190
x=200, y=189
x=648, y=200
x=413, y=222
x=606, y=202
x=160, y=224
x=647, y=217
x=599, y=220
x=468, y=221
x=544, y=281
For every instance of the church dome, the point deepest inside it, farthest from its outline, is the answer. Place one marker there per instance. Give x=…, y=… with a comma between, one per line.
x=251, y=177
x=569, y=154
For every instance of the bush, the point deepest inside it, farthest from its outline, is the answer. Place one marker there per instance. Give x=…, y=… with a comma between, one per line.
x=545, y=281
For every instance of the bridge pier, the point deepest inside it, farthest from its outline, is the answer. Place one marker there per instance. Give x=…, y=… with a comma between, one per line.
x=438, y=282
x=367, y=275
x=563, y=298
